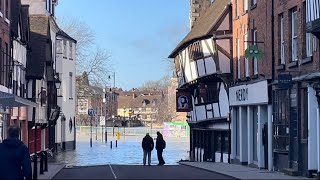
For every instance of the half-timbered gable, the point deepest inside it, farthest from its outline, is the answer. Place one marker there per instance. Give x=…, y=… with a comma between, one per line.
x=204, y=70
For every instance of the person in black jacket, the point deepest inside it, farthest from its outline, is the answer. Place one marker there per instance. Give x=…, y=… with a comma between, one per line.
x=160, y=145
x=147, y=146
x=15, y=162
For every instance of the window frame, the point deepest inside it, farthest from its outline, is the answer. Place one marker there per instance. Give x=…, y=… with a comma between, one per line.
x=281, y=39
x=246, y=60
x=238, y=59
x=294, y=35
x=255, y=60
x=71, y=85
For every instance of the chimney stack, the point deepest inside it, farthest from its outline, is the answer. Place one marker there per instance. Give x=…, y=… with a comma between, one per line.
x=197, y=9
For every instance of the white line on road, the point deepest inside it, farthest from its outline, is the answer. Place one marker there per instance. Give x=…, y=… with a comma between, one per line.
x=115, y=177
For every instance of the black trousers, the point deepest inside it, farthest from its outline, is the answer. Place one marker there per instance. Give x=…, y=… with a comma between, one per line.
x=160, y=158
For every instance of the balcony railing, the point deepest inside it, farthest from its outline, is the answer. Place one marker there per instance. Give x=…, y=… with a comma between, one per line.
x=313, y=17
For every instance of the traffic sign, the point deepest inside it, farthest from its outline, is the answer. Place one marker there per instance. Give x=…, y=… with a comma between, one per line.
x=90, y=112
x=102, y=121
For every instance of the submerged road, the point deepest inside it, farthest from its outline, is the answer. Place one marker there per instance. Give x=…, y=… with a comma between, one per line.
x=137, y=172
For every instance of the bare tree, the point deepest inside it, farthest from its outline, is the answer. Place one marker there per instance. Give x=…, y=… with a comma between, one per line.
x=160, y=84
x=91, y=59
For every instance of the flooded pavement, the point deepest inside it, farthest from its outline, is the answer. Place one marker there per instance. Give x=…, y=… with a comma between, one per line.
x=128, y=152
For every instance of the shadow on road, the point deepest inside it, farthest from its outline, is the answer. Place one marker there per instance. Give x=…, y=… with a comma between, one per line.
x=137, y=172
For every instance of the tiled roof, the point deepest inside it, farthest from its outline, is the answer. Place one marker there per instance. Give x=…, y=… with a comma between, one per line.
x=64, y=34
x=203, y=26
x=40, y=46
x=130, y=102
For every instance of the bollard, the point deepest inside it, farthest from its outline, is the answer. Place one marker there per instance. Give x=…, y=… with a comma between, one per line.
x=45, y=161
x=111, y=144
x=116, y=143
x=41, y=163
x=35, y=168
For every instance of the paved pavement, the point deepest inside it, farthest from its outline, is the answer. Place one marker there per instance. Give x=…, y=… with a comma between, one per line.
x=53, y=169
x=238, y=171
x=138, y=172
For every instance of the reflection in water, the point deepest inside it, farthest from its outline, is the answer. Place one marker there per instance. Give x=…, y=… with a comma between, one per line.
x=129, y=151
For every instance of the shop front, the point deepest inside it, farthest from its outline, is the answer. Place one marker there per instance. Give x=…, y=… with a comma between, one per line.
x=251, y=124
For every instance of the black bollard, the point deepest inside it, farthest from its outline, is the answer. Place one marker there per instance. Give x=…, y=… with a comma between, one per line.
x=41, y=163
x=116, y=143
x=35, y=167
x=111, y=144
x=45, y=161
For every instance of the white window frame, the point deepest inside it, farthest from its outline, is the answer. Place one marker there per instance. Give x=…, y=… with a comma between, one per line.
x=245, y=5
x=70, y=50
x=311, y=44
x=238, y=58
x=246, y=60
x=255, y=60
x=282, y=47
x=70, y=85
x=65, y=52
x=238, y=9
x=294, y=36
x=254, y=2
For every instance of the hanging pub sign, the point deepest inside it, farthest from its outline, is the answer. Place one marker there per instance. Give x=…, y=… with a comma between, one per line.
x=285, y=81
x=253, y=52
x=183, y=101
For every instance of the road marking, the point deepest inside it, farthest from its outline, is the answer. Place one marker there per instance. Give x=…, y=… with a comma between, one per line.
x=115, y=177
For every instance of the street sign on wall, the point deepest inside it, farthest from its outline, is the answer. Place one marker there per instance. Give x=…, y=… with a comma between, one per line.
x=285, y=81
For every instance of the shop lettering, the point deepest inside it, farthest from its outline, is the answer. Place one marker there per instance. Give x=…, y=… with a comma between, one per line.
x=242, y=94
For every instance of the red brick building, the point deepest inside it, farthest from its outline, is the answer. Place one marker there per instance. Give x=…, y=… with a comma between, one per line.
x=296, y=126
x=250, y=97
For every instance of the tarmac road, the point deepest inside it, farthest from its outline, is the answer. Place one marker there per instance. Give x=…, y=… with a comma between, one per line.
x=137, y=172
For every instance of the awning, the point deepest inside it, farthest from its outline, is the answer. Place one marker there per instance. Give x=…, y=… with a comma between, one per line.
x=11, y=100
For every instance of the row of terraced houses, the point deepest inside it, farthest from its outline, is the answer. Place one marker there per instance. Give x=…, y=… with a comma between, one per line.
x=37, y=76
x=250, y=70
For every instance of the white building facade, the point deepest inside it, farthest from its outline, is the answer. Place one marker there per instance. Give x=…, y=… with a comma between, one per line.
x=66, y=70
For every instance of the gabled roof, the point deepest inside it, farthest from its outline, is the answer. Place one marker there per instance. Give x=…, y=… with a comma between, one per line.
x=40, y=46
x=64, y=34
x=204, y=25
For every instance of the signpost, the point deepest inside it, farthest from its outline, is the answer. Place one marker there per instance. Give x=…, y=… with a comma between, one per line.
x=102, y=123
x=91, y=114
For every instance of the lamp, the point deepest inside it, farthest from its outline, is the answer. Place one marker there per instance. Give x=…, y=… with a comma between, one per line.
x=57, y=81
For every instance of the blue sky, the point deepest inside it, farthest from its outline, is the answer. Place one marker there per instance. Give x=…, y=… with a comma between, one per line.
x=139, y=34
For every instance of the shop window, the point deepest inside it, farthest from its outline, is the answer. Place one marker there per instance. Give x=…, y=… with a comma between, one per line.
x=281, y=120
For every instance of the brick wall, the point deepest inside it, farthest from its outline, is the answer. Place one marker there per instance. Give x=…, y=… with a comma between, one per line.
x=284, y=7
x=258, y=18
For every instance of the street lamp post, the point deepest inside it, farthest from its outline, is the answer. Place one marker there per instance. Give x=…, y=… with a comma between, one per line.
x=124, y=124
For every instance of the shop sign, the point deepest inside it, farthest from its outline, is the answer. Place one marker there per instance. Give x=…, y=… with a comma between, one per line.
x=256, y=93
x=285, y=81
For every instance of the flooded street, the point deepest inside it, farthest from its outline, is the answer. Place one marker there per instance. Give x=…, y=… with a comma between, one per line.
x=129, y=151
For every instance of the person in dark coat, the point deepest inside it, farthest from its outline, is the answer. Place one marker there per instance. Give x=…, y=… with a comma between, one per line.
x=160, y=146
x=15, y=162
x=147, y=146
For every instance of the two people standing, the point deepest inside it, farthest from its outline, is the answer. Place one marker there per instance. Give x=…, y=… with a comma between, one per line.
x=148, y=145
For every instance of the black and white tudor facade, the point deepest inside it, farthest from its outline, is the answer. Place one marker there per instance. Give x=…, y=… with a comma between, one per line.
x=203, y=66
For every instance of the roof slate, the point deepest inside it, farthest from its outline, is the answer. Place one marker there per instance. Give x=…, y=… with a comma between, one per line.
x=203, y=26
x=40, y=46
